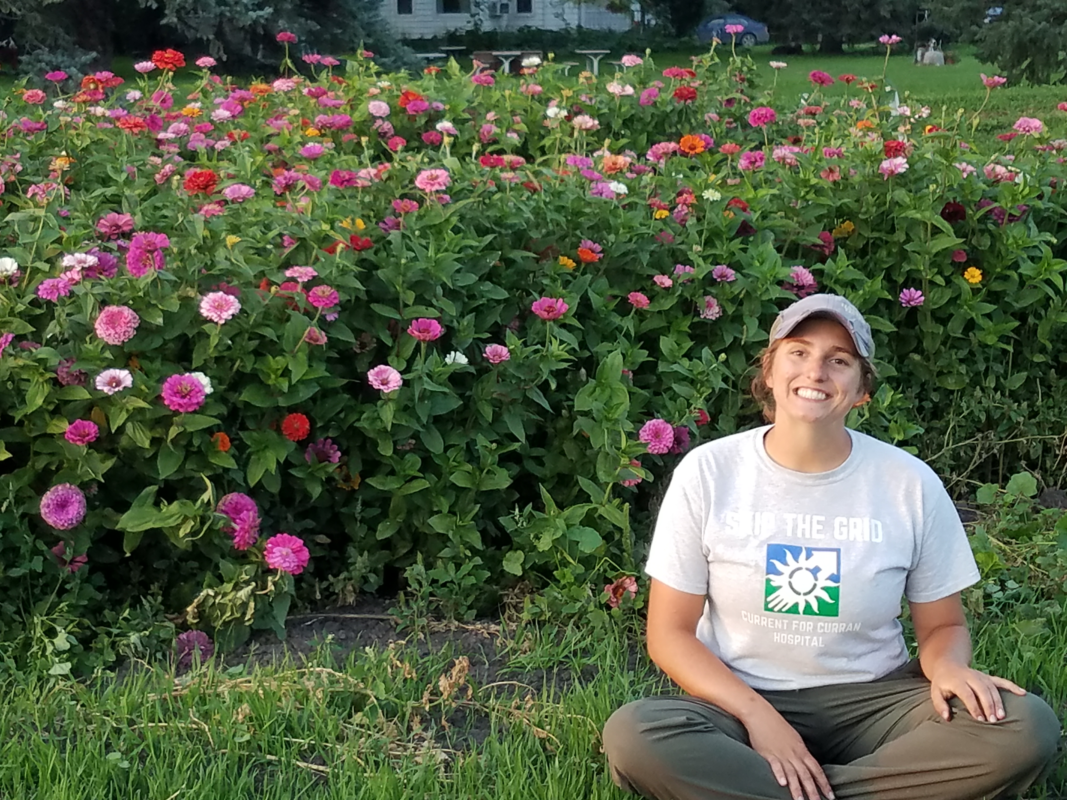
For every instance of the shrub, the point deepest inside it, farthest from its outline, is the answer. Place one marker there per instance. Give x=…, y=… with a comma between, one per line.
x=424, y=322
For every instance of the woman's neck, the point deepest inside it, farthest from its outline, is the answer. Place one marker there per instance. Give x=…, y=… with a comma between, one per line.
x=808, y=448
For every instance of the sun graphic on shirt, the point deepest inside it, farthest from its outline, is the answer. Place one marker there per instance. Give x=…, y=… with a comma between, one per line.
x=802, y=582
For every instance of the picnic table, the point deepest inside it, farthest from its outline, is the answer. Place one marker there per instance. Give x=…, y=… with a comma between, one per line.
x=430, y=56
x=594, y=57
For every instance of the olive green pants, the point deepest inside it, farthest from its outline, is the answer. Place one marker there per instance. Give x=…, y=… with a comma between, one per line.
x=880, y=740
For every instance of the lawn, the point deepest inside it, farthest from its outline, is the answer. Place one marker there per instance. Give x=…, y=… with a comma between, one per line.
x=482, y=712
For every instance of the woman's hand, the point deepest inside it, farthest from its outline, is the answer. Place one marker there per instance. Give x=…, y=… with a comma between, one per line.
x=793, y=766
x=979, y=692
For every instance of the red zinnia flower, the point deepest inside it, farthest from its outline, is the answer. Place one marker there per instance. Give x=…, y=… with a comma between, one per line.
x=739, y=204
x=895, y=148
x=587, y=256
x=847, y=78
x=685, y=94
x=296, y=427
x=132, y=124
x=168, y=59
x=200, y=181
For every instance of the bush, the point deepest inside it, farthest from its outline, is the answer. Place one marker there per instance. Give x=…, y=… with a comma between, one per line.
x=628, y=265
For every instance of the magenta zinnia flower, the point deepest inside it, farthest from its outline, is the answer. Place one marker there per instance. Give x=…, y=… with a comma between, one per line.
x=244, y=519
x=5, y=340
x=63, y=506
x=426, y=330
x=820, y=78
x=53, y=288
x=323, y=296
x=183, y=393
x=321, y=451
x=219, y=307
x=549, y=308
x=287, y=553
x=761, y=116
x=910, y=298
x=384, y=378
x=191, y=645
x=81, y=432
x=116, y=324
x=658, y=435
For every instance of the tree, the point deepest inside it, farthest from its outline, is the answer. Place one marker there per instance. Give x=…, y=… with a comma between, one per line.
x=832, y=23
x=1025, y=40
x=71, y=34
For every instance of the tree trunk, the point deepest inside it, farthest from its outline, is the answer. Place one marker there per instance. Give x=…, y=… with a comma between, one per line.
x=831, y=44
x=95, y=28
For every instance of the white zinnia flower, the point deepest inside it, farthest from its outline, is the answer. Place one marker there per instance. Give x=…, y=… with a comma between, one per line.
x=8, y=267
x=618, y=188
x=456, y=357
x=531, y=61
x=205, y=381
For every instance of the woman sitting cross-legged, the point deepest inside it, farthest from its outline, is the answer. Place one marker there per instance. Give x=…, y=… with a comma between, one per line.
x=779, y=563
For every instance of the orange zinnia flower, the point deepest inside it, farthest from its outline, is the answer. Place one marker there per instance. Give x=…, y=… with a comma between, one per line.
x=587, y=256
x=613, y=163
x=222, y=441
x=260, y=89
x=692, y=145
x=168, y=59
x=865, y=125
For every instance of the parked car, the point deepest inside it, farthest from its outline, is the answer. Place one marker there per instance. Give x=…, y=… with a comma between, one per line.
x=715, y=27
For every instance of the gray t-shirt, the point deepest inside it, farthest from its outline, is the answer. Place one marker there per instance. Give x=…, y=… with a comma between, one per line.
x=804, y=572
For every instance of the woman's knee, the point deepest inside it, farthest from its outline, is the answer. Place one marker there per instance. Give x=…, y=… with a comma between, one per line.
x=622, y=732
x=1036, y=732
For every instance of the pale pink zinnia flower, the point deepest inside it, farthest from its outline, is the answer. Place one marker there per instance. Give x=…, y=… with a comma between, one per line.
x=497, y=353
x=238, y=193
x=893, y=166
x=658, y=435
x=1028, y=125
x=116, y=324
x=433, y=180
x=993, y=81
x=663, y=281
x=112, y=381
x=301, y=274
x=638, y=300
x=219, y=307
x=378, y=108
x=711, y=310
x=384, y=378
x=630, y=60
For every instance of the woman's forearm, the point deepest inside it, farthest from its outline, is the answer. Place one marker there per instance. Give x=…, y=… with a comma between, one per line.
x=701, y=673
x=948, y=644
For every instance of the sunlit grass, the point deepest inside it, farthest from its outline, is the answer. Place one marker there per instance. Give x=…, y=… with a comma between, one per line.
x=378, y=723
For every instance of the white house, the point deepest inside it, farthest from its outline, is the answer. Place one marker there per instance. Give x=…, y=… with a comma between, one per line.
x=424, y=18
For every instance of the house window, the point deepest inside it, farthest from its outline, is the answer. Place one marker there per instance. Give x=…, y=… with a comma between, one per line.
x=403, y=7
x=524, y=7
x=453, y=6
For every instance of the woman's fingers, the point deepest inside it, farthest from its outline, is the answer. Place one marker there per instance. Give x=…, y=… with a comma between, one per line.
x=820, y=777
x=1004, y=683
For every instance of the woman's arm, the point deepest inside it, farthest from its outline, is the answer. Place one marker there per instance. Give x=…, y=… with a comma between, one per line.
x=674, y=647
x=945, y=655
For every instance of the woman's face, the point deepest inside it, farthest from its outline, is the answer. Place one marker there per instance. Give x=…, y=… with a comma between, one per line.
x=815, y=375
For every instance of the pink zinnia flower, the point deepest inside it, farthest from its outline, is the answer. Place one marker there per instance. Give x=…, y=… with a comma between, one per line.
x=205, y=62
x=959, y=256
x=301, y=274
x=723, y=274
x=663, y=281
x=63, y=506
x=638, y=300
x=630, y=60
x=993, y=81
x=425, y=330
x=219, y=307
x=910, y=298
x=752, y=160
x=658, y=434
x=433, y=180
x=116, y=324
x=286, y=37
x=113, y=225
x=888, y=40
x=112, y=381
x=820, y=78
x=287, y=553
x=711, y=310
x=312, y=151
x=631, y=481
x=893, y=166
x=761, y=116
x=378, y=108
x=497, y=353
x=81, y=432
x=483, y=79
x=53, y=288
x=384, y=378
x=1028, y=125
x=649, y=96
x=183, y=393
x=243, y=515
x=238, y=193
x=549, y=308
x=5, y=340
x=323, y=296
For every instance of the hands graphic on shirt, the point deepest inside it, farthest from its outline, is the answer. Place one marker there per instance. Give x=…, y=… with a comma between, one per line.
x=781, y=599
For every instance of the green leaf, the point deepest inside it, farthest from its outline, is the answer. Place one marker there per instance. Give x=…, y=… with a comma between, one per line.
x=169, y=459
x=260, y=462
x=387, y=483
x=493, y=479
x=433, y=441
x=197, y=422
x=1022, y=484
x=987, y=494
x=130, y=540
x=411, y=487
x=513, y=562
x=588, y=540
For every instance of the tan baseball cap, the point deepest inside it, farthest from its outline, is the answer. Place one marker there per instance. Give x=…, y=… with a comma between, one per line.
x=830, y=305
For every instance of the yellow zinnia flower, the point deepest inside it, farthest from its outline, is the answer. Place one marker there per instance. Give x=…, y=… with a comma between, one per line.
x=846, y=228
x=569, y=263
x=972, y=275
x=231, y=240
x=312, y=132
x=190, y=111
x=661, y=213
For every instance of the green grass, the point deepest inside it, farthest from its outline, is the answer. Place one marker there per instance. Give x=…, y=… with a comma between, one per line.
x=377, y=723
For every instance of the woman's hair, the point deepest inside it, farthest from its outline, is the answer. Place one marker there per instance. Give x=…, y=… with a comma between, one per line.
x=764, y=395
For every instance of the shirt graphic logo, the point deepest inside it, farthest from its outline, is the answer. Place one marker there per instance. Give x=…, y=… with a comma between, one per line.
x=803, y=580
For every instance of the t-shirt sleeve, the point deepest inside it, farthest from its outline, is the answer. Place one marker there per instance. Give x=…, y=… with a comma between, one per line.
x=944, y=563
x=677, y=556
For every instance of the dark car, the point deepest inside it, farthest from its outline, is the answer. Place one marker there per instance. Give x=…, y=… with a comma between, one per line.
x=715, y=27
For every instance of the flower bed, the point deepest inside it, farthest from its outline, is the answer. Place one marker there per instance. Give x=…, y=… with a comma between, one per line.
x=348, y=324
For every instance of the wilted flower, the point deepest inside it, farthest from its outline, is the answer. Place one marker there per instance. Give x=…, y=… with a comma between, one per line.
x=620, y=588
x=192, y=646
x=322, y=451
